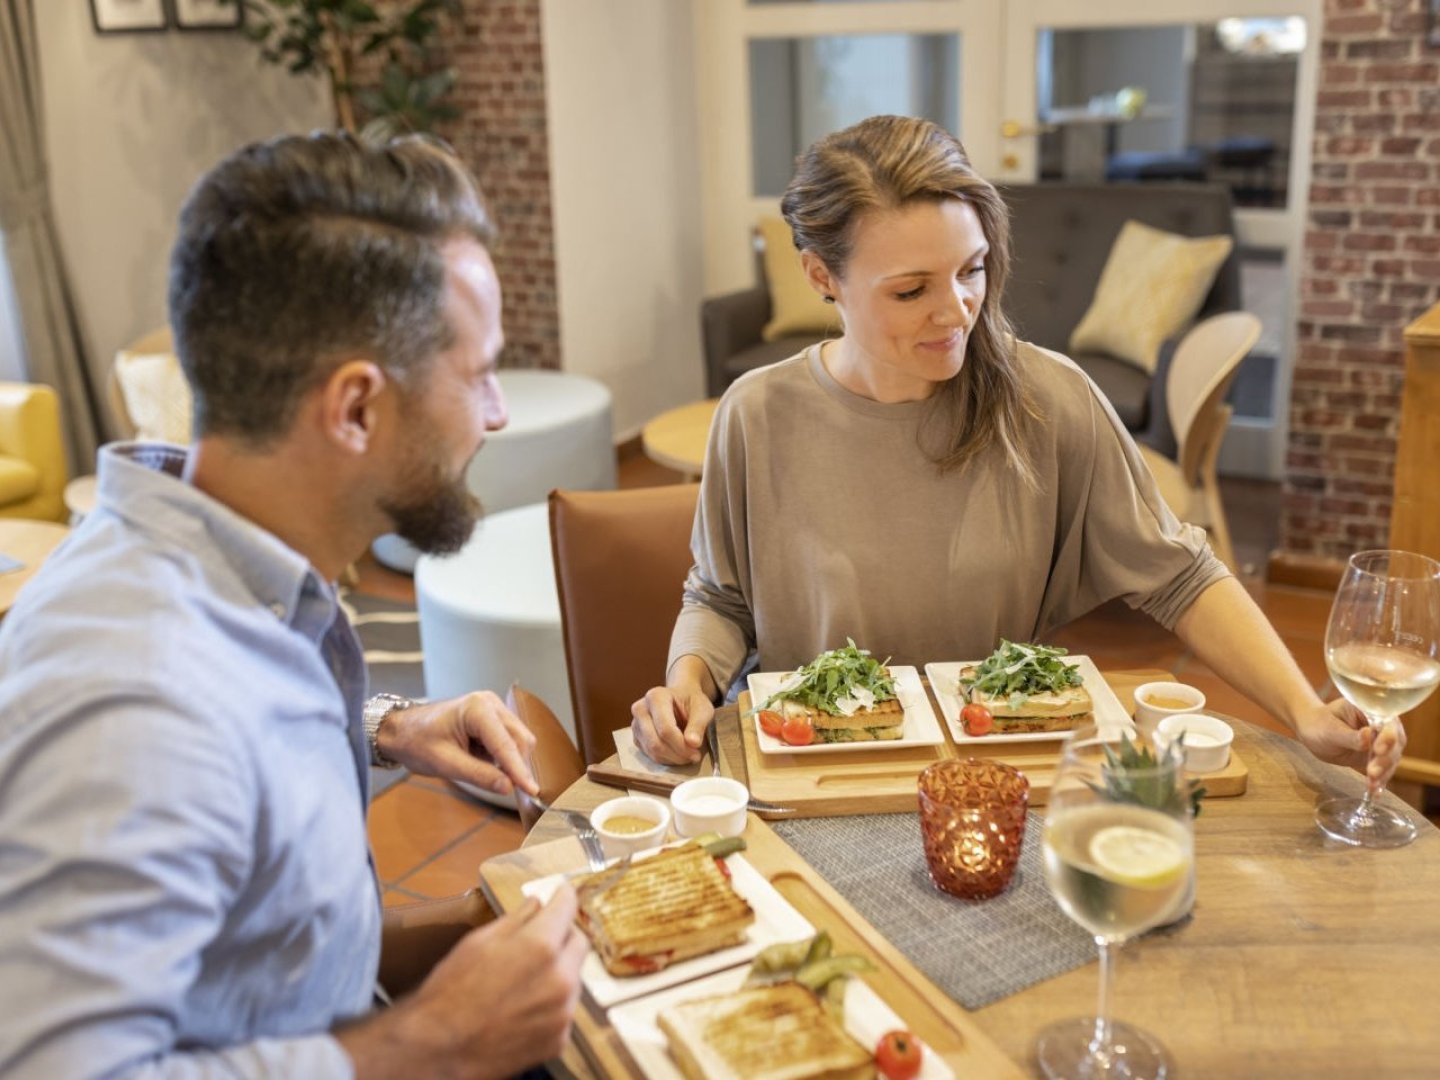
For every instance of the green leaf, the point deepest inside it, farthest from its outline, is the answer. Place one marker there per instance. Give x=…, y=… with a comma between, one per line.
x=835, y=675
x=1016, y=672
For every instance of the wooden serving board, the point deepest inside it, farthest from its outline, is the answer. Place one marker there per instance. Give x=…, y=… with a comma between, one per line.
x=882, y=781
x=945, y=1027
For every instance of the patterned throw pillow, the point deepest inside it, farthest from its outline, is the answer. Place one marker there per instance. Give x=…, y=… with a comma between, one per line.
x=1152, y=287
x=156, y=395
x=795, y=306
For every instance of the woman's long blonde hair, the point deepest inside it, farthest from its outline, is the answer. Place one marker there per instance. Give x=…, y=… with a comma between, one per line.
x=888, y=162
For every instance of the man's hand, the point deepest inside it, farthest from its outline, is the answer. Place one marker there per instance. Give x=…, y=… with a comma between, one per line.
x=499, y=1003
x=1338, y=733
x=445, y=739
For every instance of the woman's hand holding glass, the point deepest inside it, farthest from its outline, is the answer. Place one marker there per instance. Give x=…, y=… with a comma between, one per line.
x=1382, y=646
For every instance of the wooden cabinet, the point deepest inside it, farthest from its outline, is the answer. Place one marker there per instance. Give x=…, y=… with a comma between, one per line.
x=1415, y=516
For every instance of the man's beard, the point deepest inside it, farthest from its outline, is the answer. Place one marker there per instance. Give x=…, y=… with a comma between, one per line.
x=435, y=514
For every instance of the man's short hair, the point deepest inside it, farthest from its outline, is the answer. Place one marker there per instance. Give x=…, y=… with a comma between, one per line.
x=301, y=252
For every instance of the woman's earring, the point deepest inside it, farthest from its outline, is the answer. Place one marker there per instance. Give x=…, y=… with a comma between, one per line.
x=827, y=298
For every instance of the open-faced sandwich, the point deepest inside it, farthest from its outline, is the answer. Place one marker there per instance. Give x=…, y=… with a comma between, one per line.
x=1027, y=688
x=786, y=1023
x=672, y=906
x=844, y=695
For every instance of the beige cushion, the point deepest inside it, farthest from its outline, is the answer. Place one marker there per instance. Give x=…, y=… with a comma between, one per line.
x=1151, y=288
x=795, y=306
x=157, y=397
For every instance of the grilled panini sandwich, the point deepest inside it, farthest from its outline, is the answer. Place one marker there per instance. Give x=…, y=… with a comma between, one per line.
x=666, y=908
x=846, y=695
x=777, y=1032
x=1029, y=688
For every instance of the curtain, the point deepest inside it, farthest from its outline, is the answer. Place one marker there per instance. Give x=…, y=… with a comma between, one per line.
x=50, y=325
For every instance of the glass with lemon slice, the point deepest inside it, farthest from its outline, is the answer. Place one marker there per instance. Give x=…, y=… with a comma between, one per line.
x=1119, y=857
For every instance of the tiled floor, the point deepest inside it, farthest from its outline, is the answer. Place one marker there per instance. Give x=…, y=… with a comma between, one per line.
x=429, y=837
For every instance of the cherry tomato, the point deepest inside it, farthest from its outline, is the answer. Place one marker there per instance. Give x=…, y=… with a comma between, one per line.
x=771, y=722
x=797, y=731
x=976, y=720
x=898, y=1055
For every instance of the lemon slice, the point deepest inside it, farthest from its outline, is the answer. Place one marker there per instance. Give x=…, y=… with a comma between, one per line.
x=1138, y=857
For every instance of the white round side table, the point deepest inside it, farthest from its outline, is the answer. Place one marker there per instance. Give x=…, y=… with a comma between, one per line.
x=490, y=616
x=559, y=436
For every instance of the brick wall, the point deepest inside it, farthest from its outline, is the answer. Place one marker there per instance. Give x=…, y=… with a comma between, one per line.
x=501, y=134
x=1371, y=264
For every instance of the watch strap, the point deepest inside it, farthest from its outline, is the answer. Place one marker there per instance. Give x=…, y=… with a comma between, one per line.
x=377, y=708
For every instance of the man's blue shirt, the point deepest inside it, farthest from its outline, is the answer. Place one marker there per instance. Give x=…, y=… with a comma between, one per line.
x=185, y=882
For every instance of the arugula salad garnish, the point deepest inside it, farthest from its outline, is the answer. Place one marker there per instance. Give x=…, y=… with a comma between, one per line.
x=1017, y=672
x=838, y=682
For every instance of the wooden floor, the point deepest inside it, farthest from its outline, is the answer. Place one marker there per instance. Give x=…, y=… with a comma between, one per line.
x=429, y=837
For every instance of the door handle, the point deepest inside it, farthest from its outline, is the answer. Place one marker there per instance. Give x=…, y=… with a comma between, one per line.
x=1014, y=129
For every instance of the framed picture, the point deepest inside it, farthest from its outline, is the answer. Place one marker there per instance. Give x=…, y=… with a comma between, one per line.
x=127, y=16
x=208, y=14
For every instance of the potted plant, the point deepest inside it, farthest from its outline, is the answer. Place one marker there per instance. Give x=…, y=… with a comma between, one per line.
x=380, y=57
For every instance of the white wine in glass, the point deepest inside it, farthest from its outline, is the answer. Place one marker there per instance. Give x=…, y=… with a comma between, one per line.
x=1382, y=647
x=1119, y=858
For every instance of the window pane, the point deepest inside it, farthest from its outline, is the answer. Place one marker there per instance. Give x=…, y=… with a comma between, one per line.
x=1208, y=101
x=803, y=88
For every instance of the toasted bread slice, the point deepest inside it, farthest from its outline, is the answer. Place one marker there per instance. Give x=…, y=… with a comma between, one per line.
x=663, y=909
x=1063, y=711
x=881, y=721
x=778, y=1032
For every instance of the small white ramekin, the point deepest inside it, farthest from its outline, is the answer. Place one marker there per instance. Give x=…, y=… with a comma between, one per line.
x=1204, y=740
x=1148, y=714
x=710, y=804
x=641, y=806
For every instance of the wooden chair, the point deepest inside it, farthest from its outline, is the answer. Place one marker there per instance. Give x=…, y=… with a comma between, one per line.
x=1205, y=364
x=620, y=563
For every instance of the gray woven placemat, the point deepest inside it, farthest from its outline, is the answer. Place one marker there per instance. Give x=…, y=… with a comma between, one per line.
x=977, y=951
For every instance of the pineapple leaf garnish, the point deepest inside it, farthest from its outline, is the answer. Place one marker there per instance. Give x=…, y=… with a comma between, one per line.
x=1153, y=788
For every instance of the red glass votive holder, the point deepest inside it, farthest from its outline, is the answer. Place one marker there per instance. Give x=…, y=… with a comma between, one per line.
x=972, y=819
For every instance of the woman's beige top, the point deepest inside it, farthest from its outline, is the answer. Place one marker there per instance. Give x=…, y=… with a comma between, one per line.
x=821, y=519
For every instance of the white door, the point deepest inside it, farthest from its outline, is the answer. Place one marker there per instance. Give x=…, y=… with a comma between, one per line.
x=1239, y=80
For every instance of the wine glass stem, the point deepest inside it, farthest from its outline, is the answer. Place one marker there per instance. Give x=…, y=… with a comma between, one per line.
x=1377, y=724
x=1100, y=1041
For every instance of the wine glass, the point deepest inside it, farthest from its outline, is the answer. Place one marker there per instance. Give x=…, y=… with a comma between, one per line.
x=1382, y=647
x=1119, y=857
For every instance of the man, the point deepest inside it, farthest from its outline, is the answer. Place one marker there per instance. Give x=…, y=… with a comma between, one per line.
x=185, y=884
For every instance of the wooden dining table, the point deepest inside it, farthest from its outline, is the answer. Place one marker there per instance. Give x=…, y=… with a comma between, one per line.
x=1304, y=957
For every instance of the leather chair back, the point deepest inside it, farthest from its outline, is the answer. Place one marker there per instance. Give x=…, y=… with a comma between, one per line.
x=620, y=563
x=556, y=763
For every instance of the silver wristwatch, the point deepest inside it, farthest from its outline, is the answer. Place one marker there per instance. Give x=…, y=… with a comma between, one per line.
x=376, y=710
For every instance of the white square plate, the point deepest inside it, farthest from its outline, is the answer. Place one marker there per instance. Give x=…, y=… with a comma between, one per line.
x=867, y=1018
x=945, y=685
x=775, y=920
x=920, y=729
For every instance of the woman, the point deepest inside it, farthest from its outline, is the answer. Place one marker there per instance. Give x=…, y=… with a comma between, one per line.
x=927, y=484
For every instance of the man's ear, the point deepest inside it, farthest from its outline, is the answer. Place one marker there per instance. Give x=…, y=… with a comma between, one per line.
x=350, y=403
x=817, y=273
